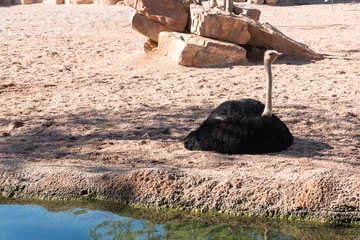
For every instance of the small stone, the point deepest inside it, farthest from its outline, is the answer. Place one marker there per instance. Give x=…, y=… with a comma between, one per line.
x=16, y=124
x=149, y=46
x=5, y=134
x=72, y=138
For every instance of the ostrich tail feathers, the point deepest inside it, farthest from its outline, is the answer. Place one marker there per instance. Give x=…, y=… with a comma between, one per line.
x=190, y=142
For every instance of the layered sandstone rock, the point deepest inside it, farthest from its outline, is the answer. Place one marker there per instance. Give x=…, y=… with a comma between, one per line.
x=267, y=36
x=171, y=13
x=147, y=27
x=216, y=24
x=152, y=17
x=244, y=30
x=197, y=51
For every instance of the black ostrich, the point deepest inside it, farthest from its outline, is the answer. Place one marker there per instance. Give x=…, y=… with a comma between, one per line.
x=243, y=126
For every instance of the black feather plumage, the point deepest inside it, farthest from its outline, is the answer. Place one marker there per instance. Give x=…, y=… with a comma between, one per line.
x=239, y=127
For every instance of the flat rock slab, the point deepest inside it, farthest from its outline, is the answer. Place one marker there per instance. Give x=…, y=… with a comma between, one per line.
x=147, y=27
x=171, y=13
x=241, y=29
x=216, y=24
x=197, y=51
x=267, y=36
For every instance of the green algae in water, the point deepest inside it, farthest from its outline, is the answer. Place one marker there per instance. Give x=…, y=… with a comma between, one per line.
x=106, y=220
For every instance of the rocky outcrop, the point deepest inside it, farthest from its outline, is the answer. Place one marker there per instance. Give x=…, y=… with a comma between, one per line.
x=244, y=30
x=267, y=36
x=147, y=27
x=171, y=13
x=213, y=24
x=193, y=50
x=242, y=27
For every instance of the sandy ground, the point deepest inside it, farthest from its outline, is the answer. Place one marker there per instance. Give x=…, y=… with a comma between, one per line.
x=84, y=113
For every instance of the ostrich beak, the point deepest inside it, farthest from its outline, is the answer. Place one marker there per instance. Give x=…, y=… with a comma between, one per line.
x=279, y=54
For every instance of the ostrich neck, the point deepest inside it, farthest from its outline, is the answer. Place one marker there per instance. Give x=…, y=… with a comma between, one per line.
x=268, y=103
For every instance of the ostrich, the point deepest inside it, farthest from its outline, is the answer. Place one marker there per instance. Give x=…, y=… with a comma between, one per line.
x=243, y=126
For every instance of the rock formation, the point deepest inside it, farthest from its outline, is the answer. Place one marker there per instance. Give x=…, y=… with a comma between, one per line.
x=171, y=13
x=244, y=30
x=147, y=27
x=213, y=24
x=197, y=51
x=216, y=28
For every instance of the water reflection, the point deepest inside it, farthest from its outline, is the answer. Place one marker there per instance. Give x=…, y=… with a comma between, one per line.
x=22, y=219
x=18, y=222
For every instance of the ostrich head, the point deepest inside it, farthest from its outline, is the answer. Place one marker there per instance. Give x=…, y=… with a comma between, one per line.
x=271, y=55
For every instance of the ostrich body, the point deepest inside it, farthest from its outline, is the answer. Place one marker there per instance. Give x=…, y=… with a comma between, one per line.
x=243, y=126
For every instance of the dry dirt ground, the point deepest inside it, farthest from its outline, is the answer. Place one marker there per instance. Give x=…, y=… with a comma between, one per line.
x=85, y=114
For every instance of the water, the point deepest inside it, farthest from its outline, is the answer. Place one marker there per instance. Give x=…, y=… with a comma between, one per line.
x=25, y=221
x=18, y=222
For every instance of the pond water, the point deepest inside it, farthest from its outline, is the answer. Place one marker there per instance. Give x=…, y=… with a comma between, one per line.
x=25, y=221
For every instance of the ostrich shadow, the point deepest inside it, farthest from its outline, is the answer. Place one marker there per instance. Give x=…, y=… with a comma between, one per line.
x=305, y=147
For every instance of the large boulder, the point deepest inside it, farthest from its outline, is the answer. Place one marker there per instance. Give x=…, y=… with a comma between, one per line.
x=147, y=27
x=197, y=51
x=241, y=29
x=267, y=36
x=219, y=25
x=171, y=13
